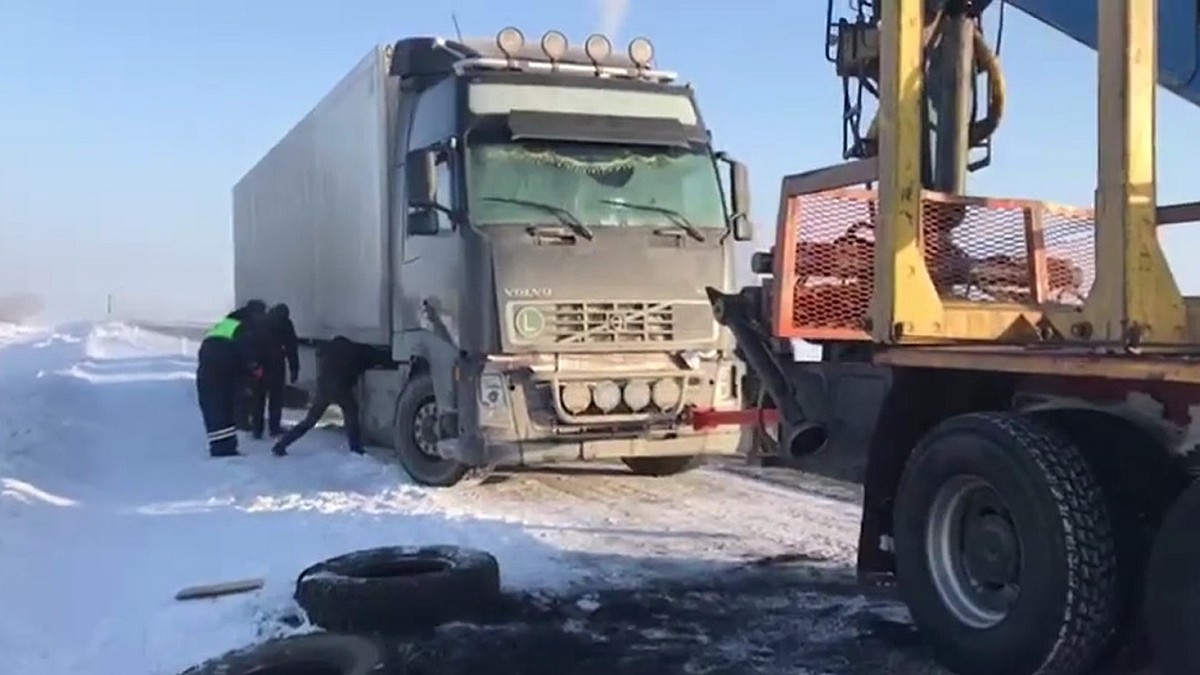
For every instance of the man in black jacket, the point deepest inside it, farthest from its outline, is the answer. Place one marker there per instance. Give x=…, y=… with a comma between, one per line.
x=253, y=314
x=277, y=348
x=227, y=356
x=339, y=365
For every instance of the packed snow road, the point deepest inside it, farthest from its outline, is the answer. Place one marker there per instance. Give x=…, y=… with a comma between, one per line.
x=109, y=504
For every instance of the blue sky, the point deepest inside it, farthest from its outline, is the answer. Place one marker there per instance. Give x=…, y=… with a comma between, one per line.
x=124, y=123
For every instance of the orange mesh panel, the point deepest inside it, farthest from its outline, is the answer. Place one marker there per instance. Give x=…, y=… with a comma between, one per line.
x=979, y=250
x=1070, y=245
x=834, y=264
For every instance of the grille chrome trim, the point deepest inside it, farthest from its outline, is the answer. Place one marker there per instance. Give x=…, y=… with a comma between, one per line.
x=606, y=322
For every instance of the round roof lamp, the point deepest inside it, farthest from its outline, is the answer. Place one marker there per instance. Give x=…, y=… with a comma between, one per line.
x=510, y=41
x=597, y=48
x=554, y=45
x=641, y=52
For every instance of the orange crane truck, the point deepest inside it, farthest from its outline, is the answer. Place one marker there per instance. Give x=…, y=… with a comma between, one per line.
x=1029, y=485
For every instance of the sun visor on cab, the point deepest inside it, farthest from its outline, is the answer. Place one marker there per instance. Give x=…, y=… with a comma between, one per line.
x=603, y=129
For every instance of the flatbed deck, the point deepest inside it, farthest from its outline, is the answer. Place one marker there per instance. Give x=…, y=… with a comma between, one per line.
x=1164, y=365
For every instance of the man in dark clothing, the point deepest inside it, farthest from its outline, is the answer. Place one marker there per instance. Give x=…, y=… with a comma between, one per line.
x=277, y=348
x=226, y=357
x=339, y=365
x=252, y=314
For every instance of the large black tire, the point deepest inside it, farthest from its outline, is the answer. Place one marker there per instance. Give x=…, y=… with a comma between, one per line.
x=398, y=589
x=661, y=466
x=1172, y=599
x=412, y=410
x=316, y=654
x=1040, y=519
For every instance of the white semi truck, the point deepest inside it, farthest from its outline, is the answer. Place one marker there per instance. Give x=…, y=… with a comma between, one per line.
x=529, y=230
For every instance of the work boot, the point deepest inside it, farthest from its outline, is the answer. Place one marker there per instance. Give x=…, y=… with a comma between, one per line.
x=279, y=450
x=358, y=450
x=225, y=447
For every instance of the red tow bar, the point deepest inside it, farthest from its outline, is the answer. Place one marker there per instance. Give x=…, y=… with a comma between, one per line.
x=709, y=418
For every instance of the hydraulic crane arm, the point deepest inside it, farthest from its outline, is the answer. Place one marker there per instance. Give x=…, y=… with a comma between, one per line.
x=1178, y=35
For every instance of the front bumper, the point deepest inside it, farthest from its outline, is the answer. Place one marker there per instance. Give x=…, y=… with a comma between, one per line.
x=518, y=453
x=522, y=419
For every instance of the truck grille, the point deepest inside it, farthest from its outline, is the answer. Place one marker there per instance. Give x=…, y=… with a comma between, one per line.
x=589, y=322
x=617, y=322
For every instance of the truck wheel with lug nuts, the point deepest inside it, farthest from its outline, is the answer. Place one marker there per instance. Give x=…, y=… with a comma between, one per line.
x=417, y=436
x=1004, y=549
x=661, y=466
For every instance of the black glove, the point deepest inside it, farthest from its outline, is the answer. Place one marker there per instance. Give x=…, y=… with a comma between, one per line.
x=295, y=374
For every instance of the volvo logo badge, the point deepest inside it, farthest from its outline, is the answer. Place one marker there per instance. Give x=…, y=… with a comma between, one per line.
x=529, y=322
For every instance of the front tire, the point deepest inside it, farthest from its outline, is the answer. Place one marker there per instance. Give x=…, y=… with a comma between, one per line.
x=417, y=435
x=1005, y=549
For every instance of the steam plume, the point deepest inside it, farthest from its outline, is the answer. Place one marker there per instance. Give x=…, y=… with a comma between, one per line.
x=612, y=17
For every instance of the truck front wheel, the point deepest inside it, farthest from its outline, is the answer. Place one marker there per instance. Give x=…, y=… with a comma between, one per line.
x=417, y=437
x=1004, y=549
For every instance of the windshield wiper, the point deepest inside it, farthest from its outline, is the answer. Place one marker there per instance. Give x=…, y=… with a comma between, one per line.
x=562, y=214
x=676, y=217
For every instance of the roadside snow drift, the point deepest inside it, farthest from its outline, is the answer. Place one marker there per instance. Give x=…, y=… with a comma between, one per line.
x=109, y=504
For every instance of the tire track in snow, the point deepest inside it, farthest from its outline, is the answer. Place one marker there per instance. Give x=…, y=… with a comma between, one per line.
x=696, y=520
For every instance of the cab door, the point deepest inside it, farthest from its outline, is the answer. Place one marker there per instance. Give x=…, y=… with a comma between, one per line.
x=431, y=265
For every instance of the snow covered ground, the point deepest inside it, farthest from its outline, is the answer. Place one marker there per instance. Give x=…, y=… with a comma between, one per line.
x=109, y=504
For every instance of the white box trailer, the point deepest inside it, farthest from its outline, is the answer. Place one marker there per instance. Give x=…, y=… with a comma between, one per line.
x=310, y=219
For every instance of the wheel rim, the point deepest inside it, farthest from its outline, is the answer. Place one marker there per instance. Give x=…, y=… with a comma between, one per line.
x=974, y=552
x=425, y=429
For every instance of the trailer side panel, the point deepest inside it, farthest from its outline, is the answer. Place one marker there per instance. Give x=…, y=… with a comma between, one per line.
x=310, y=220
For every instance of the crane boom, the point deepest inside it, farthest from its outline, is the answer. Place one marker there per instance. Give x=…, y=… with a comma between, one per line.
x=1178, y=36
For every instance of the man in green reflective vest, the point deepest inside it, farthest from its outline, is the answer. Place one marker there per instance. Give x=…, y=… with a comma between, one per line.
x=226, y=358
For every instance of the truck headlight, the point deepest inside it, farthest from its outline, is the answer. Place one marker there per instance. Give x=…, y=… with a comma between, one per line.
x=637, y=395
x=491, y=390
x=666, y=393
x=575, y=397
x=606, y=395
x=725, y=377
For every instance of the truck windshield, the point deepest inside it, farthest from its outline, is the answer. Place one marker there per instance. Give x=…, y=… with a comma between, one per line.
x=600, y=185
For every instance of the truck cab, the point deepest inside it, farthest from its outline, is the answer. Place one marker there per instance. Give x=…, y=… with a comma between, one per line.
x=556, y=215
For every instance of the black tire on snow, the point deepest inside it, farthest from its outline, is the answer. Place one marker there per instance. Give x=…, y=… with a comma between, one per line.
x=1065, y=613
x=661, y=466
x=314, y=653
x=426, y=470
x=1172, y=596
x=398, y=589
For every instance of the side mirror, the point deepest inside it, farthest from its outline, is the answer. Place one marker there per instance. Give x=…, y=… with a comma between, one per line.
x=739, y=188
x=420, y=178
x=422, y=221
x=743, y=229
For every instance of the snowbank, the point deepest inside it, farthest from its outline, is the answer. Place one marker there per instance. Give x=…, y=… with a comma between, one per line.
x=11, y=332
x=109, y=505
